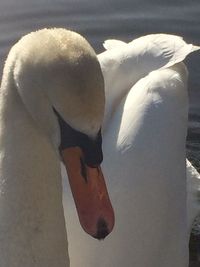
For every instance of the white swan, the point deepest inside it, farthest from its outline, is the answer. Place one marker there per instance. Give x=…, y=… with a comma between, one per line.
x=49, y=69
x=144, y=148
x=127, y=65
x=148, y=192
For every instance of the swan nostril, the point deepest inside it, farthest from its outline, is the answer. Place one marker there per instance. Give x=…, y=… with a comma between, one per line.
x=102, y=229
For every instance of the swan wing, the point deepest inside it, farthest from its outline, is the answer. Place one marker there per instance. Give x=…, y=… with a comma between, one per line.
x=172, y=48
x=110, y=44
x=144, y=54
x=124, y=64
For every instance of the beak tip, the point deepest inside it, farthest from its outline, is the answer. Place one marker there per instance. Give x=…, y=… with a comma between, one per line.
x=89, y=190
x=102, y=229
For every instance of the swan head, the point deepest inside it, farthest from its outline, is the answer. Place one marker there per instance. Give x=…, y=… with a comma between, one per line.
x=61, y=66
x=60, y=82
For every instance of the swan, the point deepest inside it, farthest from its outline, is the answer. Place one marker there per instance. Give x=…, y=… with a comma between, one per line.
x=51, y=105
x=145, y=93
x=144, y=133
x=139, y=57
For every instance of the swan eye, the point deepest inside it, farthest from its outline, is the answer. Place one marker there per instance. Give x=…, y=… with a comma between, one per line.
x=91, y=148
x=68, y=135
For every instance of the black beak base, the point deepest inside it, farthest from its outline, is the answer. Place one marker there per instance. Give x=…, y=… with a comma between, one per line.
x=92, y=148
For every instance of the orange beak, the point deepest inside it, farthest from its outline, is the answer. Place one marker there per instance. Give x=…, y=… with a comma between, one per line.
x=82, y=157
x=90, y=194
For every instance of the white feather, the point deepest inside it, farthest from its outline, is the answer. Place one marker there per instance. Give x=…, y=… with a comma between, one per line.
x=111, y=44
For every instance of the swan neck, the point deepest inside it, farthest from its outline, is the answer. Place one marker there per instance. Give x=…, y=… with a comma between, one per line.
x=32, y=225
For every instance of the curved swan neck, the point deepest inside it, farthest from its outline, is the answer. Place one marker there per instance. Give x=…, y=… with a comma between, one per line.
x=32, y=225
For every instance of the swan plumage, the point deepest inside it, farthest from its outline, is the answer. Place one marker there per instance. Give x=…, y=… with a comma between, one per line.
x=123, y=65
x=52, y=83
x=145, y=128
x=146, y=94
x=53, y=53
